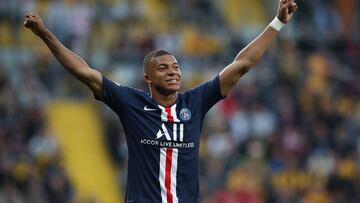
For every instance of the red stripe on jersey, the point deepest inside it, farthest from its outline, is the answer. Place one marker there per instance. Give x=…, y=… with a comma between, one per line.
x=168, y=175
x=169, y=116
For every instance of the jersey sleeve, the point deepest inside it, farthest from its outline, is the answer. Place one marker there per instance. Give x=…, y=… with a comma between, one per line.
x=207, y=94
x=113, y=94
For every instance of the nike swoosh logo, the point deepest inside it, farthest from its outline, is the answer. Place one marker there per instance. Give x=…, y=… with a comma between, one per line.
x=148, y=109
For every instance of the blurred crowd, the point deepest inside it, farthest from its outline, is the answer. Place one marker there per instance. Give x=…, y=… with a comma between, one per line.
x=289, y=131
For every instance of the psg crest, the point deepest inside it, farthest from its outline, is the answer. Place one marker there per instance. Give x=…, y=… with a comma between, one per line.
x=185, y=114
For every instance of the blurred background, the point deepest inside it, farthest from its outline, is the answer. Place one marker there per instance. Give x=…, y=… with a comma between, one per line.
x=289, y=131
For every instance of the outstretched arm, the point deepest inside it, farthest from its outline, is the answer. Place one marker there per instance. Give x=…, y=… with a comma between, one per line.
x=71, y=62
x=247, y=57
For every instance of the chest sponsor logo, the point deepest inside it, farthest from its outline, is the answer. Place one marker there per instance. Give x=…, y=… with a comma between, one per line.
x=165, y=139
x=177, y=135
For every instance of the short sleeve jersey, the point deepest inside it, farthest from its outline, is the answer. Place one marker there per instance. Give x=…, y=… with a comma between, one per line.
x=163, y=142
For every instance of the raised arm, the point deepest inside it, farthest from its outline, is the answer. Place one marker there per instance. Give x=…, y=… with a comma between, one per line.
x=247, y=57
x=71, y=62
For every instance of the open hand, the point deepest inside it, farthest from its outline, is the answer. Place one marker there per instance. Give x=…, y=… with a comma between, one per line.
x=286, y=10
x=34, y=22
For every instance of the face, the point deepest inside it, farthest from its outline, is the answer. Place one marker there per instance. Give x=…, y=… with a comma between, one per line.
x=163, y=75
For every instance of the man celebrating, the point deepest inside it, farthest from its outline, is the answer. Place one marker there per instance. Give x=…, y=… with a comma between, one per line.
x=163, y=126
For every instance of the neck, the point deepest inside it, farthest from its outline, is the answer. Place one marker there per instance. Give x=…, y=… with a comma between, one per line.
x=164, y=100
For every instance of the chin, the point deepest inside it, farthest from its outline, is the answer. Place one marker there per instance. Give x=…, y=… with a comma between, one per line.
x=169, y=90
x=172, y=90
x=175, y=88
x=172, y=87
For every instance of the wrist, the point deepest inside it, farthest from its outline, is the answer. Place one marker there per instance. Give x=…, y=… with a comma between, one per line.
x=276, y=24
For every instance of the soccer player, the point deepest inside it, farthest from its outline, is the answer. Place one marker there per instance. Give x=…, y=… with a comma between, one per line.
x=162, y=126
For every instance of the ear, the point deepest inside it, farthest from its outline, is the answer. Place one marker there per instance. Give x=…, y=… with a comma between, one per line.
x=147, y=79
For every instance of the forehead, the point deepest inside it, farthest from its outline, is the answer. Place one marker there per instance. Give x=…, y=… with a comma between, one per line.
x=167, y=59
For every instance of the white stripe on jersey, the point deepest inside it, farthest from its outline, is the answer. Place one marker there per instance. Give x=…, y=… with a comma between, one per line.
x=166, y=192
x=164, y=114
x=162, y=174
x=173, y=175
x=168, y=165
x=173, y=113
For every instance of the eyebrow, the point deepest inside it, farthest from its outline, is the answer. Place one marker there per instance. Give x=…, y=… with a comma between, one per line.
x=165, y=64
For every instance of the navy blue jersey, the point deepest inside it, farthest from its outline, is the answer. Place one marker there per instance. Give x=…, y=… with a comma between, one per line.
x=163, y=142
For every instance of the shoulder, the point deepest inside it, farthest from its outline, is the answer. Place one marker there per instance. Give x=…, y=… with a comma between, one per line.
x=120, y=87
x=212, y=84
x=115, y=91
x=206, y=94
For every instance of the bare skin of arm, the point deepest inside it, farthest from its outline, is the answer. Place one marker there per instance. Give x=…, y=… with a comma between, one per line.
x=71, y=61
x=247, y=57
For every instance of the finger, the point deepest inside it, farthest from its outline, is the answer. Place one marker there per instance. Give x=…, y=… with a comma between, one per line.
x=32, y=20
x=26, y=19
x=29, y=23
x=282, y=2
x=294, y=8
x=31, y=14
x=293, y=3
x=287, y=5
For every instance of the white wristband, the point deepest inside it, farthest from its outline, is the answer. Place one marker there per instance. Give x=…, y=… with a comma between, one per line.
x=276, y=24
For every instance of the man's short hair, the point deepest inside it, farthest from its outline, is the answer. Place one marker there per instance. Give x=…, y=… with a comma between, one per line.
x=151, y=55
